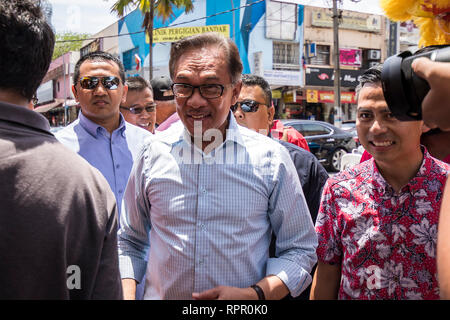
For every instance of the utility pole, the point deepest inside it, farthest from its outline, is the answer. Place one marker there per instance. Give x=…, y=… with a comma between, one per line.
x=337, y=71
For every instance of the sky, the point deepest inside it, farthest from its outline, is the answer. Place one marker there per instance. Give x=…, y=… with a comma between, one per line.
x=92, y=16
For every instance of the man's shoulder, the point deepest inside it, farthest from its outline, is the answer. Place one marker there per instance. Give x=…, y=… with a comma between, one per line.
x=68, y=131
x=254, y=139
x=361, y=172
x=136, y=131
x=296, y=150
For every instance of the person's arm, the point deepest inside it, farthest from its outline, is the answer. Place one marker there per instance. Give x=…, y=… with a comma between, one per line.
x=296, y=239
x=133, y=239
x=443, y=245
x=272, y=287
x=436, y=105
x=129, y=289
x=326, y=282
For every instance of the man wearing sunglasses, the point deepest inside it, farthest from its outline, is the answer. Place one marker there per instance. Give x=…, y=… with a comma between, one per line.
x=206, y=194
x=100, y=134
x=139, y=108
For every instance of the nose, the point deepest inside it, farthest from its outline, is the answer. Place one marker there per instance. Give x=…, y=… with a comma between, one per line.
x=378, y=126
x=100, y=90
x=196, y=100
x=238, y=114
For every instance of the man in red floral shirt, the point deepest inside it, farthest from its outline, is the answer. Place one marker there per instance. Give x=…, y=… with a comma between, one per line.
x=377, y=223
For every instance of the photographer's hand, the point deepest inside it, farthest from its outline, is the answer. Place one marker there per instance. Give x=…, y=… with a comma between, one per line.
x=436, y=105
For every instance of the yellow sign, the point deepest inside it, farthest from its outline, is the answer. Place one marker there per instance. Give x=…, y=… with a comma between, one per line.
x=312, y=96
x=175, y=34
x=276, y=94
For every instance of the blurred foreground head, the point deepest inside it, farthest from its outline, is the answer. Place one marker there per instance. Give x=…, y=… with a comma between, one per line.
x=26, y=46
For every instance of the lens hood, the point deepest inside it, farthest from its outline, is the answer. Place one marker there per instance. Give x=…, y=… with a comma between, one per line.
x=393, y=83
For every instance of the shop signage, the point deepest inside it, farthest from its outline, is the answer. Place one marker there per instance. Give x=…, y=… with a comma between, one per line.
x=350, y=57
x=319, y=96
x=283, y=77
x=276, y=94
x=325, y=77
x=175, y=34
x=352, y=21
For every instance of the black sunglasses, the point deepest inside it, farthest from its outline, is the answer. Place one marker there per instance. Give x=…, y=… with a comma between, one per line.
x=138, y=110
x=90, y=83
x=247, y=106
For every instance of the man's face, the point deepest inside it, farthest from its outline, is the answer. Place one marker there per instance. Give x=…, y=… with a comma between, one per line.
x=387, y=139
x=140, y=101
x=100, y=104
x=164, y=109
x=260, y=120
x=198, y=67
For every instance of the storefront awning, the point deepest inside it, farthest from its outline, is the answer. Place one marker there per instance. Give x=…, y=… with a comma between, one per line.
x=54, y=104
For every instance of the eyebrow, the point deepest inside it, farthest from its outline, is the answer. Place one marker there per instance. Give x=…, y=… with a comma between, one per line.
x=363, y=109
x=211, y=77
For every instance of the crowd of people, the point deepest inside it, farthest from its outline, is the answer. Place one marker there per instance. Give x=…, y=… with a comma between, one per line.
x=187, y=188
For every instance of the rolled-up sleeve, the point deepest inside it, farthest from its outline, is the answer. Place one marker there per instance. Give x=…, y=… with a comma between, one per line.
x=296, y=240
x=134, y=228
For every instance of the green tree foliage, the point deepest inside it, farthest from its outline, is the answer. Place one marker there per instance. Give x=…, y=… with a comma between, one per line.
x=68, y=41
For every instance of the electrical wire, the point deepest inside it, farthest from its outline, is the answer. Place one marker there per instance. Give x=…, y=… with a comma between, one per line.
x=173, y=25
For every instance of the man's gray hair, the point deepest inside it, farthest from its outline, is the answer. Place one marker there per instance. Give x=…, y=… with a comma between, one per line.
x=205, y=40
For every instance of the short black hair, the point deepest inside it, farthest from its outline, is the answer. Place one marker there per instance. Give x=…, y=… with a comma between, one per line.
x=26, y=46
x=371, y=75
x=137, y=83
x=251, y=80
x=98, y=56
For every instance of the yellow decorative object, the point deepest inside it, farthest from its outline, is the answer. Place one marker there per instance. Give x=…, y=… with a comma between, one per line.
x=431, y=16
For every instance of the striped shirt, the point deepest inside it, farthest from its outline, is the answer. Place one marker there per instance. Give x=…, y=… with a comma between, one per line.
x=210, y=215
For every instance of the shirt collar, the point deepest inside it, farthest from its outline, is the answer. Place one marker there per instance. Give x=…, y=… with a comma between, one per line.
x=24, y=116
x=94, y=128
x=415, y=183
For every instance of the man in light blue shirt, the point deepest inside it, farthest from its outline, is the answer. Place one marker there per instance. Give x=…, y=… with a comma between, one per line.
x=205, y=195
x=100, y=134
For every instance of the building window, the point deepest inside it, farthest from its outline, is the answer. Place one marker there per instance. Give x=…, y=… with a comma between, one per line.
x=129, y=63
x=281, y=20
x=286, y=56
x=322, y=56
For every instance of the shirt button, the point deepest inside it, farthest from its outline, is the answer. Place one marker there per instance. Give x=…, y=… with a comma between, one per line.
x=120, y=191
x=117, y=166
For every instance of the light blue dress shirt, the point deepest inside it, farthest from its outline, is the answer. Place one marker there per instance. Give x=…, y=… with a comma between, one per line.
x=210, y=216
x=112, y=154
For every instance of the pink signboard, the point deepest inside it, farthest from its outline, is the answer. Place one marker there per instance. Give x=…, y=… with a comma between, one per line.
x=350, y=57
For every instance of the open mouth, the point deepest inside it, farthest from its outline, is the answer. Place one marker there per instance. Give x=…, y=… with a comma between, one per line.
x=386, y=143
x=144, y=125
x=199, y=117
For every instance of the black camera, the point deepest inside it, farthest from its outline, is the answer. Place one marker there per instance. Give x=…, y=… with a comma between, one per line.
x=403, y=90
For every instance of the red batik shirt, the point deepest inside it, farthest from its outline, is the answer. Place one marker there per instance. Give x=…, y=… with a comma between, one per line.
x=384, y=242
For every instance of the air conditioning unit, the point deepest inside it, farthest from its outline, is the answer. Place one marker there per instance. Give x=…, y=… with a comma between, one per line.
x=373, y=54
x=372, y=64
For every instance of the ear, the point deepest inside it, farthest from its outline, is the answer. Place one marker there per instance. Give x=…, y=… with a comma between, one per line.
x=75, y=94
x=236, y=91
x=124, y=93
x=271, y=114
